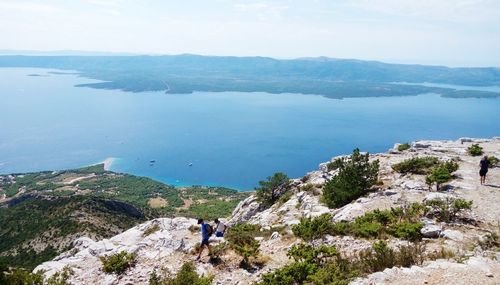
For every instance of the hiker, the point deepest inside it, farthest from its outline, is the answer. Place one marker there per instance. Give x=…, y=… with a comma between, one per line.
x=484, y=164
x=206, y=232
x=220, y=228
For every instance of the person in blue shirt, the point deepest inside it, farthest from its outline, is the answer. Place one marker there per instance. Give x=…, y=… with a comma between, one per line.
x=206, y=232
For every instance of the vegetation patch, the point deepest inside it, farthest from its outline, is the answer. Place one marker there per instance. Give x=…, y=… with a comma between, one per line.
x=402, y=223
x=416, y=165
x=447, y=210
x=403, y=146
x=494, y=161
x=117, y=263
x=186, y=276
x=355, y=177
x=475, y=150
x=241, y=239
x=441, y=174
x=325, y=265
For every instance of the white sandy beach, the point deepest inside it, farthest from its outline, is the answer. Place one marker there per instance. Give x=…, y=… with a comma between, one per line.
x=108, y=162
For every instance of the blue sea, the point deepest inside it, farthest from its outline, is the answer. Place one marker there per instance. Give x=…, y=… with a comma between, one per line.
x=231, y=139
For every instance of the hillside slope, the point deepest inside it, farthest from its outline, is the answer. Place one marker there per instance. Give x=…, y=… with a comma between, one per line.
x=42, y=213
x=465, y=245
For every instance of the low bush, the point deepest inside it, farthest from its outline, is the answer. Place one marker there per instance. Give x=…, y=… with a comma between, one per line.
x=447, y=210
x=475, y=150
x=403, y=146
x=381, y=256
x=494, y=161
x=416, y=165
x=313, y=228
x=312, y=265
x=186, y=276
x=355, y=177
x=407, y=230
x=441, y=174
x=241, y=239
x=403, y=222
x=324, y=265
x=117, y=263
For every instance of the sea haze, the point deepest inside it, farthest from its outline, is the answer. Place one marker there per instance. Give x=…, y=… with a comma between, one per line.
x=232, y=139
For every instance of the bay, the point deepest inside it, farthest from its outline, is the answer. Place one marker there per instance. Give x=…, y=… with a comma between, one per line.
x=231, y=139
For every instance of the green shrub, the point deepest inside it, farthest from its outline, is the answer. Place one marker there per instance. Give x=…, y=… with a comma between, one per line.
x=312, y=265
x=416, y=165
x=60, y=277
x=367, y=229
x=475, y=150
x=447, y=210
x=186, y=276
x=403, y=146
x=334, y=165
x=313, y=228
x=494, y=161
x=402, y=223
x=407, y=230
x=241, y=239
x=356, y=176
x=117, y=263
x=412, y=254
x=271, y=189
x=441, y=174
x=378, y=258
x=317, y=255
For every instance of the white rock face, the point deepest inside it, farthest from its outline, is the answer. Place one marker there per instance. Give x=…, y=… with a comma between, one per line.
x=244, y=211
x=84, y=258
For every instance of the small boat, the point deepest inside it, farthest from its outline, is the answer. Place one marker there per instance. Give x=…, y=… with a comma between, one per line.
x=152, y=161
x=190, y=164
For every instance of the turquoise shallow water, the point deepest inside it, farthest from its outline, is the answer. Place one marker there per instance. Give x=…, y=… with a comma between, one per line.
x=232, y=139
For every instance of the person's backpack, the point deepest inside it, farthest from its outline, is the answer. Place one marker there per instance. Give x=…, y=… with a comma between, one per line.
x=209, y=229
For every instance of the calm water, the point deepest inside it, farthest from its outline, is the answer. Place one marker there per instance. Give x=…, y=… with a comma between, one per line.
x=232, y=139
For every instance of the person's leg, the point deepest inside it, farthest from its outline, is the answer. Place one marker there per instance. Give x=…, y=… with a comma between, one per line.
x=202, y=246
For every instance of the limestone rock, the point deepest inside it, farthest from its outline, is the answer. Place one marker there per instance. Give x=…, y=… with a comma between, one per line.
x=431, y=231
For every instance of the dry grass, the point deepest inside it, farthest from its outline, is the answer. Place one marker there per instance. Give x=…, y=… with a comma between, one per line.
x=157, y=202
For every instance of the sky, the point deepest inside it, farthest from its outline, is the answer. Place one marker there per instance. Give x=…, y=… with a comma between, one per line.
x=440, y=32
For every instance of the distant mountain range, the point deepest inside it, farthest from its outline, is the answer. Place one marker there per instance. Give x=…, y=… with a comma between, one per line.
x=334, y=78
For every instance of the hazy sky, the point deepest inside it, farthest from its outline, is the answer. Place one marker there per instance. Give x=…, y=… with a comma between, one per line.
x=460, y=32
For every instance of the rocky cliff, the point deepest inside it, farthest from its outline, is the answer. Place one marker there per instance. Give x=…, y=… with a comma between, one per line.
x=168, y=243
